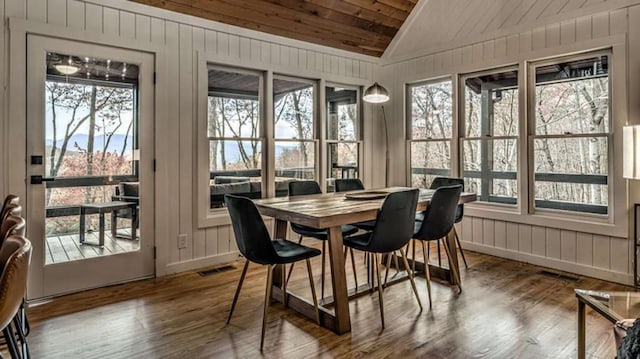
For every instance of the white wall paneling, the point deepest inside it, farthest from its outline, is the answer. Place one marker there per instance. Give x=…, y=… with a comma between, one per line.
x=179, y=38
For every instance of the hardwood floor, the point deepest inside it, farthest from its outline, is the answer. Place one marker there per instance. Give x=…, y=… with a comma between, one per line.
x=507, y=310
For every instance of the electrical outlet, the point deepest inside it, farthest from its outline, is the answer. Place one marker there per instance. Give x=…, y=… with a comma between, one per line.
x=182, y=241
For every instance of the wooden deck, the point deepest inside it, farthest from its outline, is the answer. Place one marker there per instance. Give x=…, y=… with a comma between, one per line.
x=67, y=248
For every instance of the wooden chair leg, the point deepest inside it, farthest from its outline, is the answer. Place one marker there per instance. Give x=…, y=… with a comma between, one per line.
x=439, y=256
x=413, y=255
x=235, y=297
x=454, y=271
x=267, y=299
x=313, y=291
x=410, y=274
x=427, y=275
x=460, y=247
x=292, y=264
x=377, y=264
x=386, y=273
x=353, y=266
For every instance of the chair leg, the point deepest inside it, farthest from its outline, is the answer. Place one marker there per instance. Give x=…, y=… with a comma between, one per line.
x=12, y=345
x=21, y=336
x=313, y=291
x=377, y=264
x=460, y=247
x=454, y=271
x=324, y=251
x=292, y=264
x=439, y=256
x=427, y=275
x=413, y=255
x=267, y=299
x=353, y=266
x=386, y=273
x=410, y=274
x=235, y=297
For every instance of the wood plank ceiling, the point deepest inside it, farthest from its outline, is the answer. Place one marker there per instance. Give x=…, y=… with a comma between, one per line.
x=363, y=26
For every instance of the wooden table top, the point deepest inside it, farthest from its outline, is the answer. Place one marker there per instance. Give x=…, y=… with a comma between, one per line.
x=333, y=209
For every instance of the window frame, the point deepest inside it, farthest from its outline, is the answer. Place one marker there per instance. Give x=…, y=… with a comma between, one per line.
x=461, y=123
x=451, y=171
x=327, y=142
x=532, y=136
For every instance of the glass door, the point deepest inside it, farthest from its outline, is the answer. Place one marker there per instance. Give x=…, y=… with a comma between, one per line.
x=90, y=155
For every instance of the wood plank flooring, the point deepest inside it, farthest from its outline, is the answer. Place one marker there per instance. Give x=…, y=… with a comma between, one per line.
x=67, y=248
x=507, y=310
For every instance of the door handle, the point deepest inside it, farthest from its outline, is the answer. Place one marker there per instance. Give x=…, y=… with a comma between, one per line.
x=37, y=179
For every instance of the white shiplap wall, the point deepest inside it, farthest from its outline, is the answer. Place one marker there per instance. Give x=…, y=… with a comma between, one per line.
x=180, y=38
x=597, y=255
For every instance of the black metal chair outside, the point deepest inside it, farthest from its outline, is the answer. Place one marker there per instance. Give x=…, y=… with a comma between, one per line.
x=393, y=230
x=255, y=244
x=304, y=188
x=438, y=221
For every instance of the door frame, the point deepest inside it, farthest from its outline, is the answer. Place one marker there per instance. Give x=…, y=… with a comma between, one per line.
x=16, y=135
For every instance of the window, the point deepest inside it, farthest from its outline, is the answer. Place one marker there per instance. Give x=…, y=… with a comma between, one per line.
x=234, y=134
x=90, y=133
x=343, y=134
x=489, y=133
x=571, y=134
x=430, y=109
x=294, y=131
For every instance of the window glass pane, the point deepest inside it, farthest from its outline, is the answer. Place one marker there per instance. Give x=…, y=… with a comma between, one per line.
x=491, y=105
x=429, y=159
x=233, y=107
x=294, y=161
x=573, y=97
x=490, y=169
x=342, y=114
x=234, y=167
x=572, y=170
x=431, y=110
x=89, y=128
x=293, y=109
x=342, y=161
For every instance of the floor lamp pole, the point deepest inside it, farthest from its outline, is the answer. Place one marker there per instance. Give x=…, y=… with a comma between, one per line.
x=386, y=148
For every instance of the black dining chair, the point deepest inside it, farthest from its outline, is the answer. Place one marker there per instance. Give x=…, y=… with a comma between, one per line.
x=449, y=181
x=304, y=188
x=255, y=244
x=394, y=228
x=438, y=221
x=354, y=184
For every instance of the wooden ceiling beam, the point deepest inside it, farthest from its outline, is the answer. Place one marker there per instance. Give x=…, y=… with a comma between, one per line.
x=336, y=16
x=319, y=37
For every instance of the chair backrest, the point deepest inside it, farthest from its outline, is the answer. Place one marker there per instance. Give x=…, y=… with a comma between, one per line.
x=450, y=181
x=348, y=184
x=394, y=222
x=251, y=234
x=11, y=225
x=15, y=256
x=11, y=199
x=128, y=189
x=303, y=188
x=440, y=214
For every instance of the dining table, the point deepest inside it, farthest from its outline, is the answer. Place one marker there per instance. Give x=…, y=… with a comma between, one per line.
x=330, y=211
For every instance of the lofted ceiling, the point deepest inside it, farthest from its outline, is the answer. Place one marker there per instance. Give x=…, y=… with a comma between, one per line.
x=363, y=26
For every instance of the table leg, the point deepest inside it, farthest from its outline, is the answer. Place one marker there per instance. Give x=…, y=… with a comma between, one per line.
x=134, y=222
x=339, y=280
x=453, y=258
x=101, y=228
x=114, y=224
x=82, y=224
x=280, y=231
x=581, y=330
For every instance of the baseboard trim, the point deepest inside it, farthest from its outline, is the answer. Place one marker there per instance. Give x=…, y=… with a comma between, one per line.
x=198, y=263
x=604, y=274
